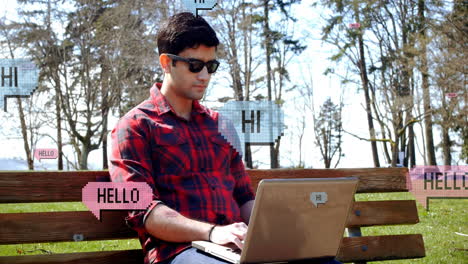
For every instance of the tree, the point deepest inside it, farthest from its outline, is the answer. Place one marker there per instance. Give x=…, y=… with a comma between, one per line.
x=278, y=45
x=127, y=60
x=425, y=84
x=350, y=43
x=42, y=43
x=380, y=39
x=449, y=76
x=101, y=63
x=236, y=26
x=328, y=129
x=29, y=125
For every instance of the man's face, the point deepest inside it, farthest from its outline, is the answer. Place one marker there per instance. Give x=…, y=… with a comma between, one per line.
x=186, y=84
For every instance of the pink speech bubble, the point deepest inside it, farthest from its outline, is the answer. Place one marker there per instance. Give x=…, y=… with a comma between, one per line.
x=45, y=154
x=354, y=25
x=452, y=95
x=98, y=196
x=438, y=181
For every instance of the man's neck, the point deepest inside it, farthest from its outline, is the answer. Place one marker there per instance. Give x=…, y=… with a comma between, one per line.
x=182, y=107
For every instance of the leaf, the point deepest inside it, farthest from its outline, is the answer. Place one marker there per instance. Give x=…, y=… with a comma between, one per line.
x=329, y=71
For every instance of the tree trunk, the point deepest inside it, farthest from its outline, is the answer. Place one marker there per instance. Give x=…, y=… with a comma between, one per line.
x=404, y=162
x=268, y=49
x=24, y=133
x=276, y=150
x=446, y=146
x=84, y=156
x=237, y=83
x=234, y=62
x=365, y=86
x=105, y=106
x=247, y=54
x=411, y=147
x=430, y=150
x=395, y=149
x=105, y=113
x=58, y=119
x=248, y=156
x=105, y=165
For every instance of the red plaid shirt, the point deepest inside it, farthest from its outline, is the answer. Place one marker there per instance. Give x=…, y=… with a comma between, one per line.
x=188, y=164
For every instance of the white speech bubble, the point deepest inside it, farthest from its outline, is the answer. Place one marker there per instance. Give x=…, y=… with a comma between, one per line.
x=195, y=5
x=254, y=122
x=18, y=78
x=318, y=198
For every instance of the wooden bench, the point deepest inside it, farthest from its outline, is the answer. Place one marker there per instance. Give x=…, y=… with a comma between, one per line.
x=53, y=186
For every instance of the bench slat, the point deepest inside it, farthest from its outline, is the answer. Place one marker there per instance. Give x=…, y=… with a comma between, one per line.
x=373, y=213
x=370, y=179
x=65, y=186
x=134, y=256
x=45, y=186
x=20, y=228
x=61, y=226
x=373, y=248
x=378, y=248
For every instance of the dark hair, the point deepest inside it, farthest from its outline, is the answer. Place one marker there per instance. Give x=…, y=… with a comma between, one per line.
x=184, y=30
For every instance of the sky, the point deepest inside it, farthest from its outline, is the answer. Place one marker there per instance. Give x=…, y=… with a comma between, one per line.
x=309, y=65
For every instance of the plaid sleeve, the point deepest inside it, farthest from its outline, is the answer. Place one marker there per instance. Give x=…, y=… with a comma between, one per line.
x=243, y=191
x=130, y=162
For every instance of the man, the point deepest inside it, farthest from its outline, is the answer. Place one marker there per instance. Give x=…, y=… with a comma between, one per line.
x=200, y=188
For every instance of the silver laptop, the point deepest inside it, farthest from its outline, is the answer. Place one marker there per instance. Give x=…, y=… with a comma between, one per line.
x=292, y=219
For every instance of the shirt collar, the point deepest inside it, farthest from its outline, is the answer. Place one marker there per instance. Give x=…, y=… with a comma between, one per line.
x=163, y=106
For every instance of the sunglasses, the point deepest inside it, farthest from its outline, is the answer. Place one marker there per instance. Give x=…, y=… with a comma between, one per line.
x=196, y=65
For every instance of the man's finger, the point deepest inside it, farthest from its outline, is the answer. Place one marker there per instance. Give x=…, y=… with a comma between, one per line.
x=238, y=242
x=241, y=234
x=241, y=225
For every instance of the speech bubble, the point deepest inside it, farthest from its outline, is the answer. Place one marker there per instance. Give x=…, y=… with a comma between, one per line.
x=254, y=122
x=18, y=78
x=98, y=196
x=195, y=5
x=426, y=182
x=45, y=153
x=318, y=198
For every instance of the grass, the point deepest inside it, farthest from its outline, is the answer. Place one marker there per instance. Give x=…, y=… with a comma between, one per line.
x=438, y=227
x=59, y=247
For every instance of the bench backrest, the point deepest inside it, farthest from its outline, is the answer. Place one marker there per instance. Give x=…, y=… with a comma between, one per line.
x=55, y=186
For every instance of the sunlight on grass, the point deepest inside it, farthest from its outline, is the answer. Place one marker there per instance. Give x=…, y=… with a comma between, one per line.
x=42, y=207
x=68, y=247
x=438, y=227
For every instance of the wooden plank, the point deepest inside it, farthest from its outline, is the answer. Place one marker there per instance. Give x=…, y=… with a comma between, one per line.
x=352, y=250
x=45, y=186
x=65, y=186
x=373, y=248
x=20, y=228
x=373, y=213
x=134, y=256
x=370, y=179
x=61, y=226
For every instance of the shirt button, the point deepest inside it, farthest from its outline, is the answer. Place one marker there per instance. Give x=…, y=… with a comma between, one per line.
x=213, y=188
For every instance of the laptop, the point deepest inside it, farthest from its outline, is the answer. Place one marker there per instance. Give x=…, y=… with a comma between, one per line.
x=292, y=219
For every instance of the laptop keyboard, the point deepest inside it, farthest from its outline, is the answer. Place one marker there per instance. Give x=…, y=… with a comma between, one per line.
x=236, y=251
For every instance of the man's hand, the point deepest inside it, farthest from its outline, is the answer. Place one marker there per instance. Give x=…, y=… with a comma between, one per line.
x=233, y=233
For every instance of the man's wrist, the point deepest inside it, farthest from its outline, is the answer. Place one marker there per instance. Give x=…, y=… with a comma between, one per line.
x=211, y=232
